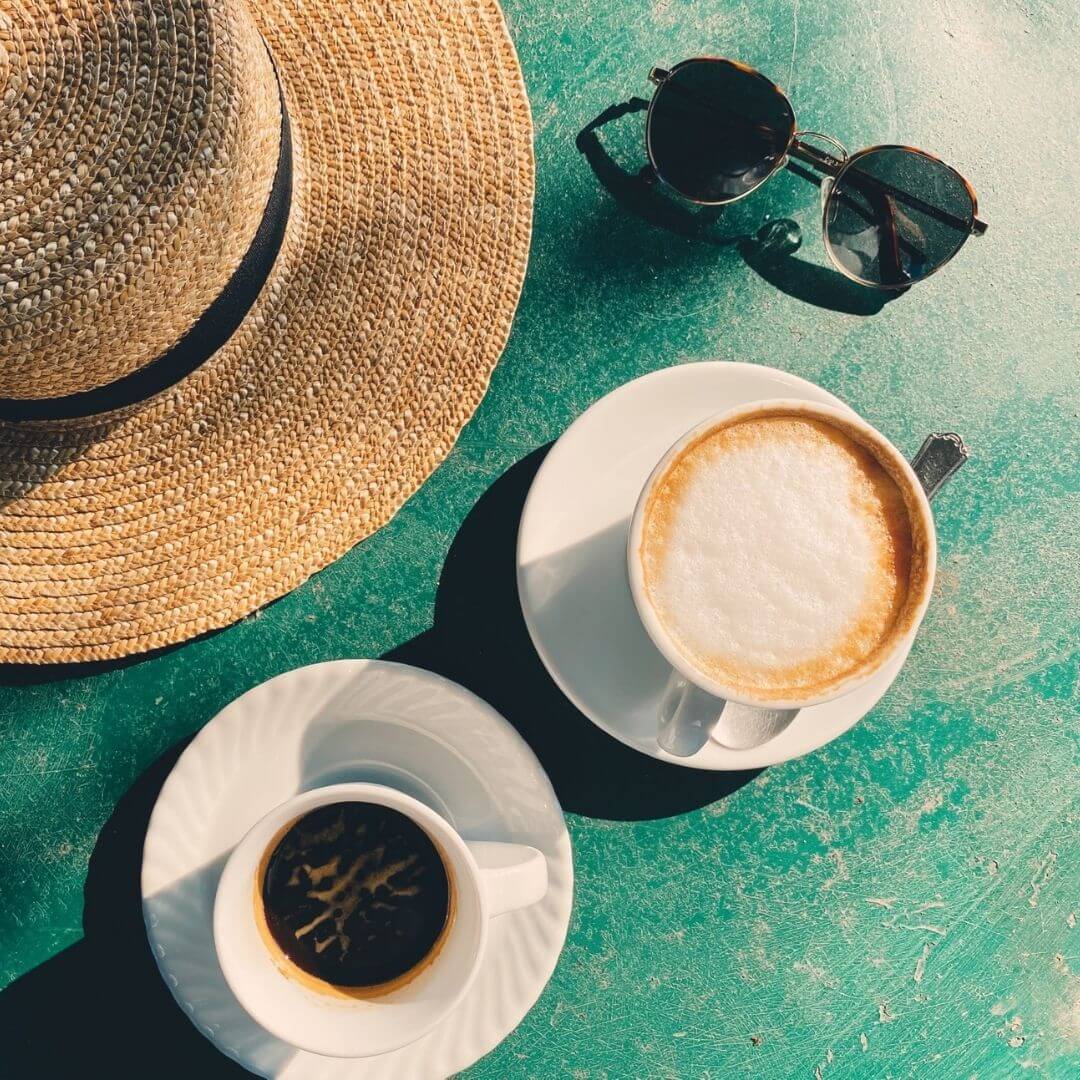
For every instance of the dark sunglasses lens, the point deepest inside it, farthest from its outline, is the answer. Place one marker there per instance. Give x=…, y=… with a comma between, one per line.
x=716, y=130
x=896, y=215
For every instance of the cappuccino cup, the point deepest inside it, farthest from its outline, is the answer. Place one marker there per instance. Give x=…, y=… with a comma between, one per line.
x=780, y=554
x=351, y=919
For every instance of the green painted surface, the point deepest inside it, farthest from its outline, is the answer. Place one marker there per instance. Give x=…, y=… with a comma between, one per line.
x=902, y=903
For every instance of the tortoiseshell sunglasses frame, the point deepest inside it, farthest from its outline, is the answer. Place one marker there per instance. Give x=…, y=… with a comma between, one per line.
x=834, y=168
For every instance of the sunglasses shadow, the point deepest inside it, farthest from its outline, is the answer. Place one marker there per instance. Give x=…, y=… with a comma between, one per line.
x=768, y=252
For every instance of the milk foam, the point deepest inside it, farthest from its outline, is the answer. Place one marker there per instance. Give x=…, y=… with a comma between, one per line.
x=776, y=554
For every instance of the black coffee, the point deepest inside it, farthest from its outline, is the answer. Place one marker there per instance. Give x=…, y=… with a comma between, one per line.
x=355, y=894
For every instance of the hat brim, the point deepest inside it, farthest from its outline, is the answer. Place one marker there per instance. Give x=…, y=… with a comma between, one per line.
x=368, y=349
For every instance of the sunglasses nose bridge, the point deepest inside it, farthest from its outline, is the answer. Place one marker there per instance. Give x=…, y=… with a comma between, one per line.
x=830, y=163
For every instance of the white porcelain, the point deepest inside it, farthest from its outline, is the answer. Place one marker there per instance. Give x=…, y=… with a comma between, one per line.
x=489, y=878
x=354, y=721
x=572, y=569
x=715, y=697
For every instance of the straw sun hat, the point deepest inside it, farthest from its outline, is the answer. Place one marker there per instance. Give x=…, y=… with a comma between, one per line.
x=257, y=262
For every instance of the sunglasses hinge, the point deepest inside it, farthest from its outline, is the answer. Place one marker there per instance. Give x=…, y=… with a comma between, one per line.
x=657, y=75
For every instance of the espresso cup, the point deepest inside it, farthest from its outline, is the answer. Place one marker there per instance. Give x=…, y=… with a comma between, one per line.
x=695, y=700
x=486, y=879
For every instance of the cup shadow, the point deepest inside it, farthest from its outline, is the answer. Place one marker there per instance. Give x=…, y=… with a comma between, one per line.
x=480, y=640
x=103, y=1000
x=636, y=192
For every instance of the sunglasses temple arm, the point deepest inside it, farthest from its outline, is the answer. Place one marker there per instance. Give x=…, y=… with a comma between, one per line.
x=831, y=166
x=826, y=163
x=889, y=255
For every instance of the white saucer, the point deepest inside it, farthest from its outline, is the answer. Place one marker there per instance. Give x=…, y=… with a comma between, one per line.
x=571, y=561
x=323, y=724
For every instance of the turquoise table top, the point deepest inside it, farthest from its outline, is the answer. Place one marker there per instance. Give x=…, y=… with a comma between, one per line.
x=902, y=903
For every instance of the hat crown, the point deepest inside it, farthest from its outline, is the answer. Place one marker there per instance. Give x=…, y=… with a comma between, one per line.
x=138, y=142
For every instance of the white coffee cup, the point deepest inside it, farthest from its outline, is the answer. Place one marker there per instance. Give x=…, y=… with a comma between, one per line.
x=693, y=703
x=487, y=878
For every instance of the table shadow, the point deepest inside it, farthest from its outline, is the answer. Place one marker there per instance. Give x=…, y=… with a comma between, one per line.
x=479, y=639
x=100, y=1007
x=637, y=192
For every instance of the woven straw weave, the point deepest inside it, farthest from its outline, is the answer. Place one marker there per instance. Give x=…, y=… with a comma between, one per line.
x=139, y=173
x=368, y=349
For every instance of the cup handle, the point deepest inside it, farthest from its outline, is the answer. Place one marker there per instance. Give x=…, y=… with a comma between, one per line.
x=689, y=717
x=512, y=876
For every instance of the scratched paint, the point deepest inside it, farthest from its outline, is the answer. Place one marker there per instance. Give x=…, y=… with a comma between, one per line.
x=903, y=903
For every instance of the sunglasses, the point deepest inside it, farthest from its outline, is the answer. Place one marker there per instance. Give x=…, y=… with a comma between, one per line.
x=891, y=215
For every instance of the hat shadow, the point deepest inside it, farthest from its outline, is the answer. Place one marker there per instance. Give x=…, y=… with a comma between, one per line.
x=37, y=674
x=767, y=250
x=480, y=640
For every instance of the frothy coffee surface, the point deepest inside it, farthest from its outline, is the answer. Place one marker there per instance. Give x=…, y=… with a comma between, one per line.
x=355, y=894
x=778, y=554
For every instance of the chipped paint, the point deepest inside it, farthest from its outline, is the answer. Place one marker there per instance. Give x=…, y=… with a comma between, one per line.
x=920, y=965
x=1044, y=873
